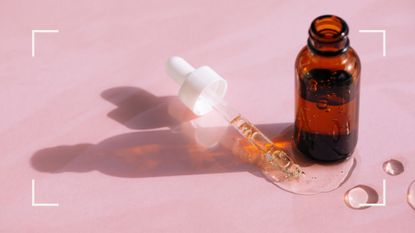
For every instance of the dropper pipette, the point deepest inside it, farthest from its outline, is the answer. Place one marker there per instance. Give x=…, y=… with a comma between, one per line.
x=203, y=89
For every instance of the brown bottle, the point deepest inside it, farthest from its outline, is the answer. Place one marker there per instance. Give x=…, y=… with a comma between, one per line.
x=327, y=92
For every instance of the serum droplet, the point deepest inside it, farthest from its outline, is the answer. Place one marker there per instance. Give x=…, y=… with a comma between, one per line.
x=393, y=167
x=361, y=194
x=411, y=195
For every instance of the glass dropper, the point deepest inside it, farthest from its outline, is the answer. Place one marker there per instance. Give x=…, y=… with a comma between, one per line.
x=203, y=89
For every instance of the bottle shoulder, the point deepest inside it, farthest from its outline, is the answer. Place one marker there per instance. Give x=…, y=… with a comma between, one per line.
x=307, y=60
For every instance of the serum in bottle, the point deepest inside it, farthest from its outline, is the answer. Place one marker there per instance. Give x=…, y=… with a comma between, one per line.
x=327, y=84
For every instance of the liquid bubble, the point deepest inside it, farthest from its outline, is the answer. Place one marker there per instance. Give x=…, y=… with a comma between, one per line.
x=393, y=167
x=322, y=104
x=411, y=195
x=357, y=196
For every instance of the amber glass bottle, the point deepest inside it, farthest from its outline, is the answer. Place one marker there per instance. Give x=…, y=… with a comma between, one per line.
x=327, y=92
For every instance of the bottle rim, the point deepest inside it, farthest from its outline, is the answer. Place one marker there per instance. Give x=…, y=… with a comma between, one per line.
x=328, y=29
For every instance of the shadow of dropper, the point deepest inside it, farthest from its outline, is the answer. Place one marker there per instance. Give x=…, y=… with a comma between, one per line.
x=170, y=148
x=139, y=109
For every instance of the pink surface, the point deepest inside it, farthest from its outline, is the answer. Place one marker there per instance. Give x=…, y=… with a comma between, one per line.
x=79, y=117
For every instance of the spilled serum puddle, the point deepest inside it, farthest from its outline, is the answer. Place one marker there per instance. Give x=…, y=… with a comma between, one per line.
x=316, y=177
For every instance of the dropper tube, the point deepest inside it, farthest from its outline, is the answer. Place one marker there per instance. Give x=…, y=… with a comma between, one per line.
x=273, y=157
x=203, y=89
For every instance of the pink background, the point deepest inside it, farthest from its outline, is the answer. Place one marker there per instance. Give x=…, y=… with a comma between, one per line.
x=78, y=116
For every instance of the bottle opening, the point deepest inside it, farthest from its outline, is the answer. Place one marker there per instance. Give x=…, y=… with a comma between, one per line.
x=328, y=36
x=328, y=28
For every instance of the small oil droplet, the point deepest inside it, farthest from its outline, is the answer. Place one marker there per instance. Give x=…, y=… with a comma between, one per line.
x=360, y=194
x=322, y=104
x=411, y=195
x=393, y=167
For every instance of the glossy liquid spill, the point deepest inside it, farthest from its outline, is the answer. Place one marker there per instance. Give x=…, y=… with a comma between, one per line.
x=411, y=195
x=393, y=167
x=251, y=146
x=361, y=194
x=317, y=177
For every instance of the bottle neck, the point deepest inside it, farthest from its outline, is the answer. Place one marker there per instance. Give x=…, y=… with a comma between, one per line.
x=328, y=36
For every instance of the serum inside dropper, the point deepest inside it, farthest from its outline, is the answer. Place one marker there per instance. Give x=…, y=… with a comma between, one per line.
x=272, y=159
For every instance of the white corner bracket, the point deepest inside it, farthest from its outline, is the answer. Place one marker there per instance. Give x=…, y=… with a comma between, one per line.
x=383, y=37
x=383, y=204
x=34, y=31
x=35, y=204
